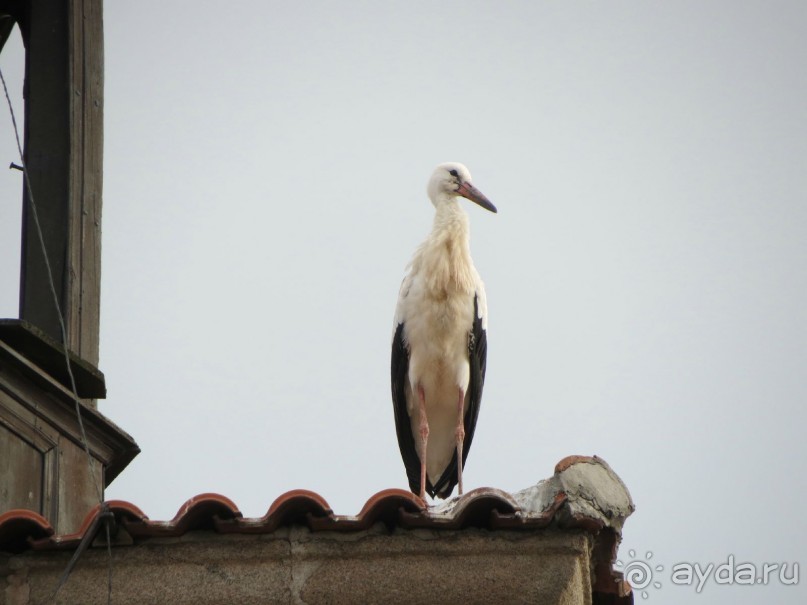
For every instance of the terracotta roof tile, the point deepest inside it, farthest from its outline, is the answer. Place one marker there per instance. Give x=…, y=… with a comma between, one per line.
x=386, y=507
x=563, y=500
x=19, y=527
x=483, y=507
x=297, y=506
x=569, y=461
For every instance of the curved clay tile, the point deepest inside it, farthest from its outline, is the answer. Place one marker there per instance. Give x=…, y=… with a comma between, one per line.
x=473, y=509
x=67, y=541
x=202, y=504
x=571, y=461
x=386, y=506
x=123, y=509
x=299, y=500
x=19, y=528
x=295, y=506
x=200, y=512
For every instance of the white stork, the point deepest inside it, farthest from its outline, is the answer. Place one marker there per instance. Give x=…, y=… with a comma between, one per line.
x=439, y=346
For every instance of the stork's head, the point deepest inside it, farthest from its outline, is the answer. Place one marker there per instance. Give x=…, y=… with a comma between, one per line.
x=452, y=179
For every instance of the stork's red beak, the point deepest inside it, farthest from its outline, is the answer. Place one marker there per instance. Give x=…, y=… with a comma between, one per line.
x=470, y=192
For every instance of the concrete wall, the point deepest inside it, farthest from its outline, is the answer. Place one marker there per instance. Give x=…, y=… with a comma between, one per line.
x=294, y=565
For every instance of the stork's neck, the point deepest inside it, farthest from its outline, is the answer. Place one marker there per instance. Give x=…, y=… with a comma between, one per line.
x=450, y=220
x=445, y=257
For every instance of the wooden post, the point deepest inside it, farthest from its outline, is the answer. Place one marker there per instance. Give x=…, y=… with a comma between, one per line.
x=64, y=155
x=41, y=444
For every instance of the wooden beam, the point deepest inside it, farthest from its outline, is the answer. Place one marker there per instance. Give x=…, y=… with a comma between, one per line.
x=64, y=155
x=86, y=69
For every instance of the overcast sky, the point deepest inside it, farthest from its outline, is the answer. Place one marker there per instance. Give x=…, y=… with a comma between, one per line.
x=264, y=188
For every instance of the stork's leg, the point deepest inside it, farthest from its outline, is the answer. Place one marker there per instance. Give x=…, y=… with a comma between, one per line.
x=424, y=437
x=460, y=434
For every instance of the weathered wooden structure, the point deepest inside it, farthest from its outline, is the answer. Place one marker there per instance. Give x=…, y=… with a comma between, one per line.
x=64, y=156
x=43, y=463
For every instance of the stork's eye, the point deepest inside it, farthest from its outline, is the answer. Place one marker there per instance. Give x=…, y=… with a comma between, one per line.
x=453, y=173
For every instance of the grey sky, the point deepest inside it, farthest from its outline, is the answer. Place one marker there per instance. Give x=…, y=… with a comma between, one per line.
x=264, y=188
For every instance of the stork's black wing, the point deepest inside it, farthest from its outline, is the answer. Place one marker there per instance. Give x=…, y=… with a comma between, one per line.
x=477, y=356
x=403, y=426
